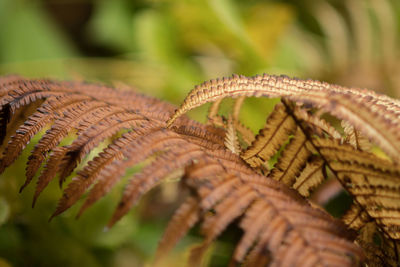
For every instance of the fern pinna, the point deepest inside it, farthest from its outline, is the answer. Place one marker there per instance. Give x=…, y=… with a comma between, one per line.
x=226, y=167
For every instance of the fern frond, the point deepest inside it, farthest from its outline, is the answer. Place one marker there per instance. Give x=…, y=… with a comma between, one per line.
x=376, y=116
x=151, y=175
x=276, y=131
x=231, y=139
x=293, y=159
x=184, y=218
x=137, y=150
x=374, y=182
x=279, y=225
x=356, y=217
x=379, y=250
x=49, y=172
x=95, y=170
x=44, y=115
x=355, y=138
x=317, y=125
x=310, y=177
x=93, y=135
x=59, y=130
x=246, y=134
x=285, y=214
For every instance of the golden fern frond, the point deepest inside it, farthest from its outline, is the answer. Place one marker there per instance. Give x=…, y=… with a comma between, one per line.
x=293, y=159
x=379, y=250
x=268, y=141
x=374, y=182
x=356, y=217
x=355, y=138
x=365, y=114
x=376, y=116
x=231, y=138
x=317, y=125
x=311, y=176
x=245, y=133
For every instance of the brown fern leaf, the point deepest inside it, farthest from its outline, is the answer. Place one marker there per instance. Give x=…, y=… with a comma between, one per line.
x=198, y=134
x=231, y=138
x=18, y=88
x=135, y=152
x=294, y=158
x=355, y=138
x=253, y=191
x=276, y=132
x=151, y=175
x=44, y=115
x=374, y=182
x=231, y=207
x=59, y=130
x=93, y=169
x=49, y=172
x=310, y=177
x=91, y=137
x=220, y=181
x=379, y=250
x=376, y=116
x=245, y=133
x=356, y=217
x=184, y=218
x=316, y=124
x=66, y=160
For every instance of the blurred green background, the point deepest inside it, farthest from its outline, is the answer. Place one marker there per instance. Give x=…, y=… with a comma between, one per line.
x=164, y=48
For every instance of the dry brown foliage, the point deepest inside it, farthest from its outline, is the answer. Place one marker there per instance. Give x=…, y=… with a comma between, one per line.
x=225, y=166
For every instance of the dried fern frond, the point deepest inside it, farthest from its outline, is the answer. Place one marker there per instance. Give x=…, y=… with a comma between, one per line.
x=275, y=223
x=376, y=116
x=311, y=176
x=279, y=225
x=355, y=138
x=292, y=160
x=231, y=138
x=276, y=132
